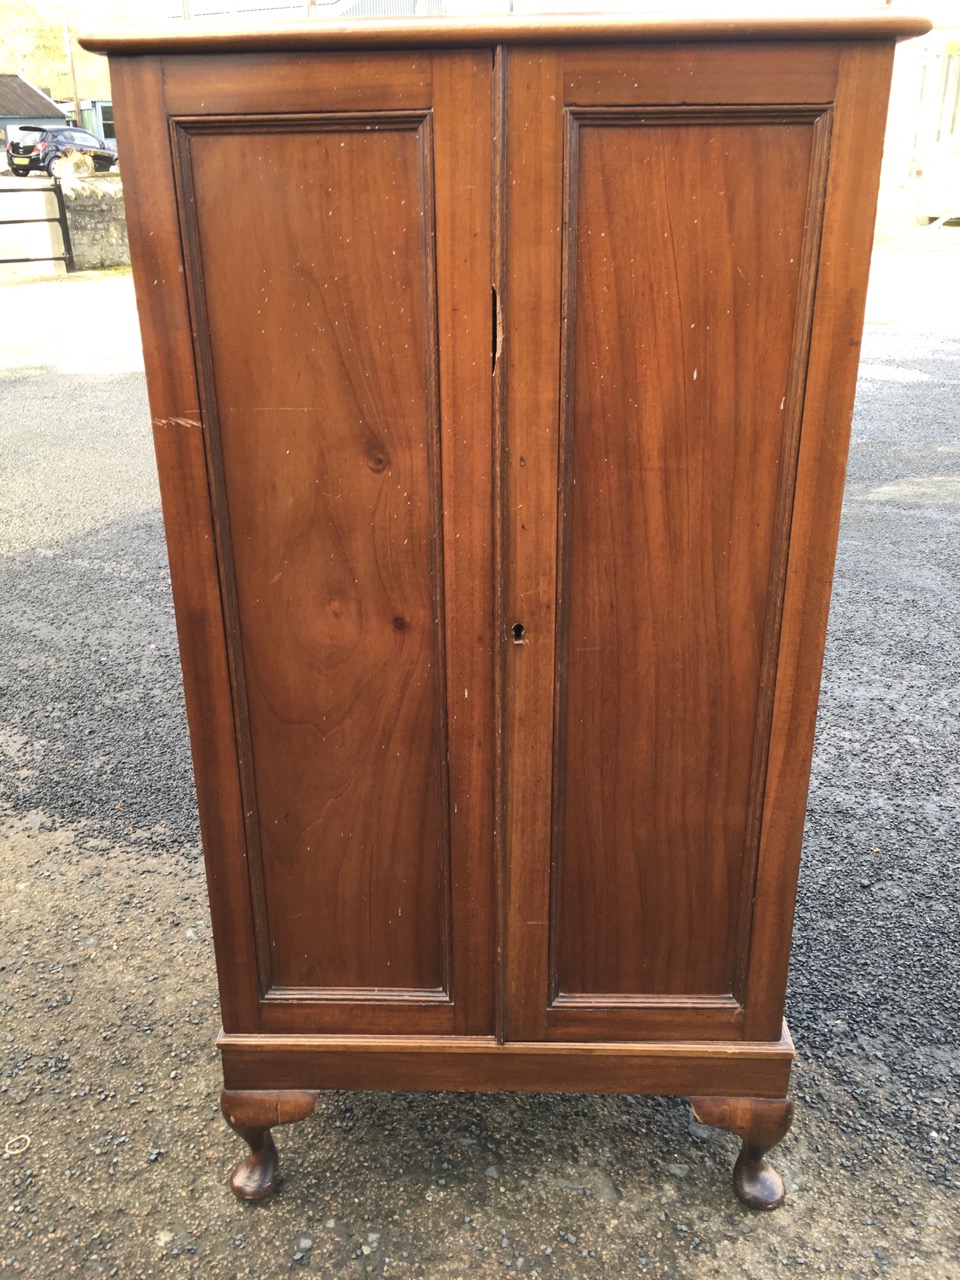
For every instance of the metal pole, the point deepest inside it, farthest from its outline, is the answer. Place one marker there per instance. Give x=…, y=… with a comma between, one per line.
x=68, y=49
x=64, y=228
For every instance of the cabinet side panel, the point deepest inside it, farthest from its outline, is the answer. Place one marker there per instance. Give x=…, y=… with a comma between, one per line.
x=848, y=220
x=156, y=255
x=686, y=240
x=319, y=294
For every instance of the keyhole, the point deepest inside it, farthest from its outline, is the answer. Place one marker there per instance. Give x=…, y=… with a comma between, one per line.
x=518, y=633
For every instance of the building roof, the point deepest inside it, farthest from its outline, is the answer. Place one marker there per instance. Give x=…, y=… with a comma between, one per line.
x=19, y=98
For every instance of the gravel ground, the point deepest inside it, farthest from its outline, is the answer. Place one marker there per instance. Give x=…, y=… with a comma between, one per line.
x=107, y=982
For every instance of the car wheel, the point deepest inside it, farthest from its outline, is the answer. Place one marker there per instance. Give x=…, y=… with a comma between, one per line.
x=49, y=167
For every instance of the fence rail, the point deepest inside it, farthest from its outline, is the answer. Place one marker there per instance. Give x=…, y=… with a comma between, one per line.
x=9, y=195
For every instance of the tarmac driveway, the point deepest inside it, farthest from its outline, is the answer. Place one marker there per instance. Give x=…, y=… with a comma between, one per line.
x=107, y=983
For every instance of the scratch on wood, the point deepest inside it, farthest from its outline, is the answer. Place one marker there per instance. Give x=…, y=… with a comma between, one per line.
x=191, y=421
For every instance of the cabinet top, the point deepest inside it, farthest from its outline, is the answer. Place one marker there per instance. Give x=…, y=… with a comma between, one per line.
x=503, y=29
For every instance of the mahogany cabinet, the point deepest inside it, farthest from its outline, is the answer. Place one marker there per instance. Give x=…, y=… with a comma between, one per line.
x=501, y=377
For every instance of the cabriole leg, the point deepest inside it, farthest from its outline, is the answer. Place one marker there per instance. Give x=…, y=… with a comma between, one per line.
x=761, y=1123
x=252, y=1114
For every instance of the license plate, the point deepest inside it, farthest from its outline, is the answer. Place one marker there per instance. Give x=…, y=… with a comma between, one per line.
x=24, y=164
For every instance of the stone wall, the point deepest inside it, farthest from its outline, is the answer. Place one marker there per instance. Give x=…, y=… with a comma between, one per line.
x=95, y=216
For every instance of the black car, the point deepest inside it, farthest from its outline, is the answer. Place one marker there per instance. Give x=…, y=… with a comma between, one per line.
x=36, y=148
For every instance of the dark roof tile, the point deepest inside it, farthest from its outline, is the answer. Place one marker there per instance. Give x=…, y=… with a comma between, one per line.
x=18, y=98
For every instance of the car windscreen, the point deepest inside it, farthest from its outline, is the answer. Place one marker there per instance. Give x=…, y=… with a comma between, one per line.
x=74, y=135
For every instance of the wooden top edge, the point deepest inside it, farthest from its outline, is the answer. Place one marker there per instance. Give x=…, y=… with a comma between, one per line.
x=428, y=32
x=254, y=1042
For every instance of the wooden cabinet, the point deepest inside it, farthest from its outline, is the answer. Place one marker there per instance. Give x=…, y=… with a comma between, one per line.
x=501, y=378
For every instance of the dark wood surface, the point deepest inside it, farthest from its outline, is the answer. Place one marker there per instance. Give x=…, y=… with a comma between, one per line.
x=532, y=233
x=465, y=137
x=201, y=86
x=681, y=312
x=329, y=484
x=761, y=1123
x=848, y=217
x=649, y=693
x=699, y=73
x=543, y=29
x=352, y=533
x=501, y=399
x=349, y=554
x=167, y=330
x=251, y=1115
x=760, y=1070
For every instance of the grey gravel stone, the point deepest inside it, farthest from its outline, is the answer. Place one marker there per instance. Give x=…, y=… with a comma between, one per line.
x=107, y=988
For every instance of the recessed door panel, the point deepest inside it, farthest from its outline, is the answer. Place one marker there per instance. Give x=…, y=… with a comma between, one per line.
x=320, y=301
x=684, y=274
x=661, y=254
x=328, y=280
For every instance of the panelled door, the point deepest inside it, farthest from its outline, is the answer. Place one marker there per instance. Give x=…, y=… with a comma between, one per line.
x=336, y=223
x=662, y=495
x=661, y=249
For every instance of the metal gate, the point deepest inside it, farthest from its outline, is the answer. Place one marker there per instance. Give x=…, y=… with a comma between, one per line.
x=44, y=200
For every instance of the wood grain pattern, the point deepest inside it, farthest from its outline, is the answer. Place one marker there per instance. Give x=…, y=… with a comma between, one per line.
x=582, y=599
x=761, y=1123
x=166, y=327
x=696, y=73
x=446, y=1062
x=460, y=32
x=251, y=1115
x=372, y=297
x=329, y=480
x=742, y=355
x=499, y=424
x=848, y=220
x=463, y=121
x=268, y=83
x=378, y=1011
x=764, y=1122
x=685, y=246
x=533, y=177
x=611, y=1016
